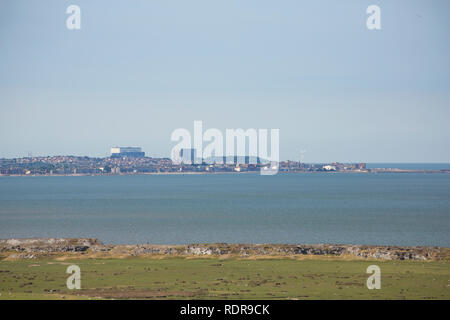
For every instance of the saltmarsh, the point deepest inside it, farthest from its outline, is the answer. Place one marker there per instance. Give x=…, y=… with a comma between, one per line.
x=229, y=278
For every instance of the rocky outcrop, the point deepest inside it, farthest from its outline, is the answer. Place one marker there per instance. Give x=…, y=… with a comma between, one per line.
x=31, y=248
x=362, y=251
x=47, y=245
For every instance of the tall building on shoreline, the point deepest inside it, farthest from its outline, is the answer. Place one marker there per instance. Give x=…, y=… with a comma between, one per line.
x=131, y=152
x=188, y=155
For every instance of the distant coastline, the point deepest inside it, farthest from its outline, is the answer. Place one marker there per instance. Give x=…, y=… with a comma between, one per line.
x=31, y=248
x=379, y=170
x=135, y=164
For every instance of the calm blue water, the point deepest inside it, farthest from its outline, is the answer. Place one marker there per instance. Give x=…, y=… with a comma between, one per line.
x=411, y=166
x=401, y=209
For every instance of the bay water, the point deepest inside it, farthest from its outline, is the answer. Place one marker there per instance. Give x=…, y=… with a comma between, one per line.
x=303, y=208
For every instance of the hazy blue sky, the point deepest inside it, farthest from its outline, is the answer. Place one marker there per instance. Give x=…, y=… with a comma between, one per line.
x=137, y=70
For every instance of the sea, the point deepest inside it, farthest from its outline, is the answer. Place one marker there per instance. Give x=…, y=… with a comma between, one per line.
x=407, y=209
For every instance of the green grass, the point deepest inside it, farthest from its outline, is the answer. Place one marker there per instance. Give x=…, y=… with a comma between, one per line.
x=214, y=278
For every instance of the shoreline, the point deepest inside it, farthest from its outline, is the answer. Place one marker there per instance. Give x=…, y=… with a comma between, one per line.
x=38, y=269
x=371, y=171
x=32, y=248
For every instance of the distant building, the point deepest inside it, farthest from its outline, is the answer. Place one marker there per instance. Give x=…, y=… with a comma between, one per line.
x=115, y=170
x=187, y=156
x=361, y=166
x=131, y=152
x=329, y=168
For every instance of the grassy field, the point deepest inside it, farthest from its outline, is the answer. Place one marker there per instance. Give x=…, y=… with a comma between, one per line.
x=214, y=278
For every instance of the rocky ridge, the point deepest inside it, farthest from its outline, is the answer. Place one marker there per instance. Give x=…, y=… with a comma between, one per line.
x=35, y=247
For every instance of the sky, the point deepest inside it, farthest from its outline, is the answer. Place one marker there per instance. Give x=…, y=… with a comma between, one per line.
x=138, y=70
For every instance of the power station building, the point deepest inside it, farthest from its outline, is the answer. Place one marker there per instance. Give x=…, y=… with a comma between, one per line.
x=131, y=152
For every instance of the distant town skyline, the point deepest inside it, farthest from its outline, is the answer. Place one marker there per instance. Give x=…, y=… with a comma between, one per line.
x=134, y=73
x=147, y=155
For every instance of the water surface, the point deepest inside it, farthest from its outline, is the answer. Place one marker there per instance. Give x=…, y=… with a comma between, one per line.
x=388, y=209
